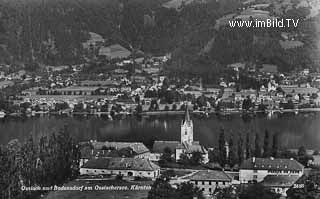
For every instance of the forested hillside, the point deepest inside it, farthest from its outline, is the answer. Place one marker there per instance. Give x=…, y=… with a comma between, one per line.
x=52, y=32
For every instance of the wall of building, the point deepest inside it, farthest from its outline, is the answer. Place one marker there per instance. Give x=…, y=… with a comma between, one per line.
x=258, y=175
x=209, y=186
x=251, y=175
x=148, y=174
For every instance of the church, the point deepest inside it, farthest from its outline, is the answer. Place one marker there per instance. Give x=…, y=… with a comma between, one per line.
x=186, y=145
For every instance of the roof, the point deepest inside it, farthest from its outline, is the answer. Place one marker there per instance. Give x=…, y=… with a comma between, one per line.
x=159, y=146
x=280, y=180
x=114, y=51
x=137, y=147
x=121, y=164
x=98, y=83
x=212, y=175
x=271, y=164
x=194, y=147
x=269, y=68
x=186, y=116
x=88, y=153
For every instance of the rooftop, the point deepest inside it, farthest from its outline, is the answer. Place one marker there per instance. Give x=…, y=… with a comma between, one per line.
x=280, y=181
x=137, y=147
x=271, y=164
x=212, y=175
x=159, y=146
x=121, y=164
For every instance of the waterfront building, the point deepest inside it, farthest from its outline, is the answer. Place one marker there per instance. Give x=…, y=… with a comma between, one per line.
x=256, y=169
x=186, y=145
x=128, y=167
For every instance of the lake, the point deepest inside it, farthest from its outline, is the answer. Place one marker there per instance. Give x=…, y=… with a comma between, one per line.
x=293, y=130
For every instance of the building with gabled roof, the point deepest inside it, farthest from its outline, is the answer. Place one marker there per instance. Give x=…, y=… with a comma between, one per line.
x=115, y=51
x=280, y=183
x=186, y=145
x=209, y=180
x=256, y=169
x=135, y=167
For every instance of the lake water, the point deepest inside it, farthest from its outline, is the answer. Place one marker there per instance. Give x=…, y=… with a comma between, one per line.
x=293, y=130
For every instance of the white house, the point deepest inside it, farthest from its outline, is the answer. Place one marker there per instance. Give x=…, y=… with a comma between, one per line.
x=256, y=169
x=135, y=167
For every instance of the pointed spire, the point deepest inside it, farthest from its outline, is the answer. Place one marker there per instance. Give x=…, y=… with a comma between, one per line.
x=187, y=116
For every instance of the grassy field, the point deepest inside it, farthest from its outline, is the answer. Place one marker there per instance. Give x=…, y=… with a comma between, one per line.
x=101, y=194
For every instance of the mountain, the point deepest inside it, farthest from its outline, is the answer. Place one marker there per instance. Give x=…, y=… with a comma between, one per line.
x=197, y=34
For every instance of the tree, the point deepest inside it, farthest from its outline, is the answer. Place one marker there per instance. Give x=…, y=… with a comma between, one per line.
x=302, y=151
x=161, y=189
x=257, y=148
x=258, y=191
x=222, y=149
x=266, y=150
x=232, y=153
x=275, y=147
x=187, y=190
x=226, y=193
x=240, y=149
x=248, y=146
x=167, y=155
x=196, y=158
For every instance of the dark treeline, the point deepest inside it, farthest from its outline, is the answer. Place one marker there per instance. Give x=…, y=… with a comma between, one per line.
x=52, y=160
x=231, y=152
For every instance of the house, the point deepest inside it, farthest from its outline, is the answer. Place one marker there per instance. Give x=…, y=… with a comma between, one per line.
x=186, y=145
x=237, y=66
x=135, y=167
x=5, y=84
x=256, y=169
x=93, y=41
x=115, y=51
x=269, y=68
x=138, y=148
x=209, y=180
x=280, y=183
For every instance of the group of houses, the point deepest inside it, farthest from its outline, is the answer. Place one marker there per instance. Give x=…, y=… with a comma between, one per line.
x=134, y=159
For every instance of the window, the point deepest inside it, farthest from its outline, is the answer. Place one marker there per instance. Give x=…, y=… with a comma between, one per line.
x=95, y=170
x=148, y=173
x=217, y=183
x=210, y=190
x=209, y=182
x=196, y=182
x=224, y=183
x=255, y=177
x=202, y=189
x=255, y=171
x=202, y=182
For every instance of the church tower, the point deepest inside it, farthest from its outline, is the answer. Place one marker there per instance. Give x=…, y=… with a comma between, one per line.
x=186, y=129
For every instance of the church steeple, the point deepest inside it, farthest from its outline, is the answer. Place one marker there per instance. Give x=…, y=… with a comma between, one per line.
x=186, y=128
x=186, y=115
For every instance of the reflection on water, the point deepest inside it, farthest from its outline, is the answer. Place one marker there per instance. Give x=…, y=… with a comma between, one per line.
x=294, y=130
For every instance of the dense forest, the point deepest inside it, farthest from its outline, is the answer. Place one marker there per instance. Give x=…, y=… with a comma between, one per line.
x=52, y=32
